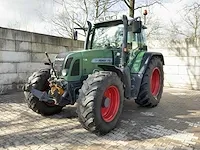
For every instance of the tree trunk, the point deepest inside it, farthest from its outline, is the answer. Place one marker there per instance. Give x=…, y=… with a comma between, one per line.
x=131, y=9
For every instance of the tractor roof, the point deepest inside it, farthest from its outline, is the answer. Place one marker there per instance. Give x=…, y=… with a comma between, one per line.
x=111, y=23
x=108, y=23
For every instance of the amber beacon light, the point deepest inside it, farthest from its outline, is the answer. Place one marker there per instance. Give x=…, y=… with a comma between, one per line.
x=145, y=12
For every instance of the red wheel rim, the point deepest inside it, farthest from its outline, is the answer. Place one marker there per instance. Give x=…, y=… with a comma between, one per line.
x=109, y=112
x=155, y=82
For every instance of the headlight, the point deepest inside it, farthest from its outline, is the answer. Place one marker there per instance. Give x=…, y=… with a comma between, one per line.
x=64, y=72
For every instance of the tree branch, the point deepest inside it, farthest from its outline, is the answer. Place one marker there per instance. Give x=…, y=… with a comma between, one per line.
x=156, y=2
x=127, y=4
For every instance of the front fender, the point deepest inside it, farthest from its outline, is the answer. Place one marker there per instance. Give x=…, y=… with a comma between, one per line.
x=137, y=77
x=124, y=75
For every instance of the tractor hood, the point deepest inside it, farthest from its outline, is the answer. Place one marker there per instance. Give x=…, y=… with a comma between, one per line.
x=88, y=59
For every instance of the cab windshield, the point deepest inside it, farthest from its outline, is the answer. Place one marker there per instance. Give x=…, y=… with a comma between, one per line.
x=108, y=37
x=111, y=37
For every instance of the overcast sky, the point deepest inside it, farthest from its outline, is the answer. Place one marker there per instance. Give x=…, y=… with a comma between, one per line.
x=28, y=14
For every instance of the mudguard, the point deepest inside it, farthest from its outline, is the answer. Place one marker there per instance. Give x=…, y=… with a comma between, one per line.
x=136, y=78
x=146, y=59
x=124, y=74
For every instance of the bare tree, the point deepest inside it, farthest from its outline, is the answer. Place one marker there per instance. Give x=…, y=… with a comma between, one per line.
x=14, y=24
x=154, y=27
x=192, y=20
x=75, y=14
x=19, y=23
x=188, y=28
x=134, y=5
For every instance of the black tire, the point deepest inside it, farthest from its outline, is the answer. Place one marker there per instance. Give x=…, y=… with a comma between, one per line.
x=146, y=97
x=89, y=103
x=39, y=81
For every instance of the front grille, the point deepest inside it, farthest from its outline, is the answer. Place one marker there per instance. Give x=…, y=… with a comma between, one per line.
x=59, y=65
x=59, y=62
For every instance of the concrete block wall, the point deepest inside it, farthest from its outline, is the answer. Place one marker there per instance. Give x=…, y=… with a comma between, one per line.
x=22, y=53
x=182, y=65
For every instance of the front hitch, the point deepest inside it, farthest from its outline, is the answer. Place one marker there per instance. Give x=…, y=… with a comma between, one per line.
x=64, y=99
x=42, y=96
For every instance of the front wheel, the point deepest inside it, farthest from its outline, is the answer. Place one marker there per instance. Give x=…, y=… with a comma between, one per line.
x=39, y=81
x=100, y=102
x=151, y=88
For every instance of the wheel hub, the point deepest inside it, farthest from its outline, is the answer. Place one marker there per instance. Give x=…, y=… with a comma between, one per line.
x=106, y=102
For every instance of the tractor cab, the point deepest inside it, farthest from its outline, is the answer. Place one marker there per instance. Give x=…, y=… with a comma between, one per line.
x=122, y=37
x=110, y=35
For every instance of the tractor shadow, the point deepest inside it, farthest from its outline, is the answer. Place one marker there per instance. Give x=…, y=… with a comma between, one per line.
x=68, y=112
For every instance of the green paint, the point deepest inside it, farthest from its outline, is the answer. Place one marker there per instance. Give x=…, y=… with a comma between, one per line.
x=137, y=63
x=135, y=60
x=89, y=61
x=86, y=64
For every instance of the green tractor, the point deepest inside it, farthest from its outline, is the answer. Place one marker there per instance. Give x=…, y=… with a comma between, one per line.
x=113, y=66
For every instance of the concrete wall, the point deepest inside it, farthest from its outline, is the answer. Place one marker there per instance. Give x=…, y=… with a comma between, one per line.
x=182, y=64
x=22, y=53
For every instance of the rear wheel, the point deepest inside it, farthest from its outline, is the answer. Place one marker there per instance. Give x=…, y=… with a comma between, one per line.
x=39, y=81
x=100, y=102
x=152, y=84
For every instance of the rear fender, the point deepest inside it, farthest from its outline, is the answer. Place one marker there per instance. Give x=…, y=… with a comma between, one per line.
x=136, y=78
x=146, y=60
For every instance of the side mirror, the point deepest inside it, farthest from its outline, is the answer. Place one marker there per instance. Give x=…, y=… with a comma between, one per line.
x=136, y=26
